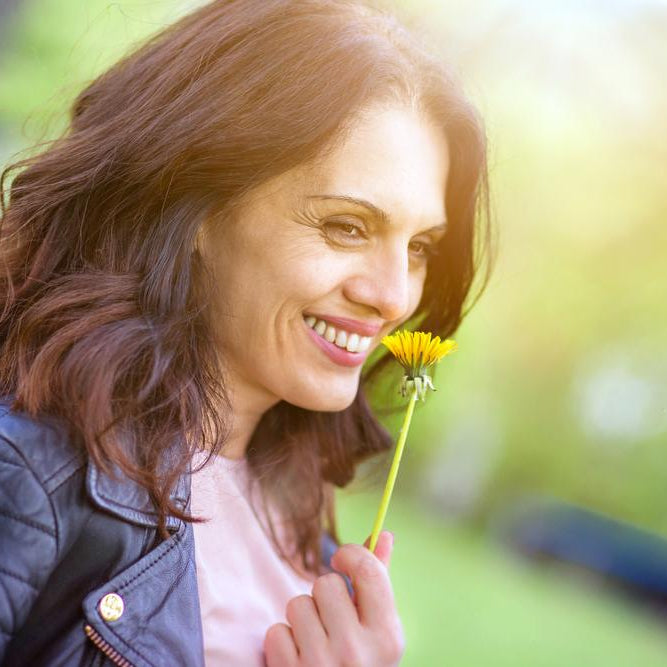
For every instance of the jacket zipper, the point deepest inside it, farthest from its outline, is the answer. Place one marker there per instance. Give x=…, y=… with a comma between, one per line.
x=106, y=648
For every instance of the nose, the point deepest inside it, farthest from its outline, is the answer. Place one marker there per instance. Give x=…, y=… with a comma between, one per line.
x=383, y=283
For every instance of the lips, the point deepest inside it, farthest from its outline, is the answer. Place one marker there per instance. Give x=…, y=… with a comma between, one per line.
x=351, y=326
x=336, y=354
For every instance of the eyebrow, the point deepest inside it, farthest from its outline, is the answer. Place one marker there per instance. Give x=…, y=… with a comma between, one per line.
x=381, y=215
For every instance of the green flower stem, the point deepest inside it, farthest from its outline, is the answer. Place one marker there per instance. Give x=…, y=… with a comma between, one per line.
x=393, y=471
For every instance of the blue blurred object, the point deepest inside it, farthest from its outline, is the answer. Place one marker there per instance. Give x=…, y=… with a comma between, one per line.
x=625, y=555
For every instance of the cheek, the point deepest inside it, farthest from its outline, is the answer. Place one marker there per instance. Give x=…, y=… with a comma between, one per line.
x=306, y=273
x=305, y=283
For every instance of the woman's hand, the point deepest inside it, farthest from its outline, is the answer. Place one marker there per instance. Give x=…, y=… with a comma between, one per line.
x=331, y=629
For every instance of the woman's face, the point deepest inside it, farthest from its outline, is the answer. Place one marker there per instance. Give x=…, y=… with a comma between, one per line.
x=301, y=252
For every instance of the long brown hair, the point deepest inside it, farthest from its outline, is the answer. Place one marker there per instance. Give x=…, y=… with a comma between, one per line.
x=105, y=298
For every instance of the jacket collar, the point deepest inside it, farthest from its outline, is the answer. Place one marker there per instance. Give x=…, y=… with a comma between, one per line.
x=117, y=494
x=127, y=499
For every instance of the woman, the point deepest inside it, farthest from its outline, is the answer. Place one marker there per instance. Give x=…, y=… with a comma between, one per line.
x=194, y=275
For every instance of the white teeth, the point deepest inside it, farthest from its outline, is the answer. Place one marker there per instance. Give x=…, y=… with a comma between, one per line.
x=352, y=342
x=341, y=338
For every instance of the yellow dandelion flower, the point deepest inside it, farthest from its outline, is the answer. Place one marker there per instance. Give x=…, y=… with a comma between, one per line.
x=416, y=351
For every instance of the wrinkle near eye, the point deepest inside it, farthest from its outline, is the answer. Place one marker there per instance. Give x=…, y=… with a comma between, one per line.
x=305, y=217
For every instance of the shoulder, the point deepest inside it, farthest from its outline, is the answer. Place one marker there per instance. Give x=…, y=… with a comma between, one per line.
x=34, y=457
x=37, y=457
x=41, y=445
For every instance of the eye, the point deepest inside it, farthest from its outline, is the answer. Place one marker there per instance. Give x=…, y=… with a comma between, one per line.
x=345, y=229
x=427, y=250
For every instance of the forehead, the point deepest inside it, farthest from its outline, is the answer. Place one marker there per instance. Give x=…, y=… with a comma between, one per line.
x=395, y=158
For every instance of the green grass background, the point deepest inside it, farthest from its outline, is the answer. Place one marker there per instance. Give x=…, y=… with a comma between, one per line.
x=465, y=601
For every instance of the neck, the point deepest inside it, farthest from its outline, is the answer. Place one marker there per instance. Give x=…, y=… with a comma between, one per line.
x=249, y=403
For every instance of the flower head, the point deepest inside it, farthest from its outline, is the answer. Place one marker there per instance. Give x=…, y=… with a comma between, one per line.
x=416, y=351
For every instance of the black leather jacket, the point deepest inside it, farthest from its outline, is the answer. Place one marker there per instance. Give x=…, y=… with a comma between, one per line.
x=84, y=577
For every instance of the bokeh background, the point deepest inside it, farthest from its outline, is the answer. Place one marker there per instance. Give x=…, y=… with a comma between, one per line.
x=530, y=510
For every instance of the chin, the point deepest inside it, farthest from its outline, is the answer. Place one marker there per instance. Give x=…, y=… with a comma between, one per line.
x=331, y=401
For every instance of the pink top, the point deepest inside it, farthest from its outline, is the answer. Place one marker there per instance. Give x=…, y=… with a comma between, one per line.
x=243, y=584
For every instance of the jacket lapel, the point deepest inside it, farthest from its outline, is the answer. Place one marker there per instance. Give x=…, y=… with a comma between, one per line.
x=129, y=500
x=159, y=621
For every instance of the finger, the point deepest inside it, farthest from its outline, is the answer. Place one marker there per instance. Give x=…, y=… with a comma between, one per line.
x=383, y=546
x=309, y=633
x=279, y=647
x=336, y=609
x=374, y=595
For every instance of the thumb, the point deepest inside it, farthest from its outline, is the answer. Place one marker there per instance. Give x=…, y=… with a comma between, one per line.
x=383, y=546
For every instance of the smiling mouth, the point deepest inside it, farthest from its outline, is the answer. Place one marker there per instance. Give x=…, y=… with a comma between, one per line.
x=345, y=340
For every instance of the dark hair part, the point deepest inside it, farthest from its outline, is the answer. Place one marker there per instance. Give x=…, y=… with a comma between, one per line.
x=105, y=305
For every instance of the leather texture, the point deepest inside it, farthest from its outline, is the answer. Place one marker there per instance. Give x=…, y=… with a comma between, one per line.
x=69, y=535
